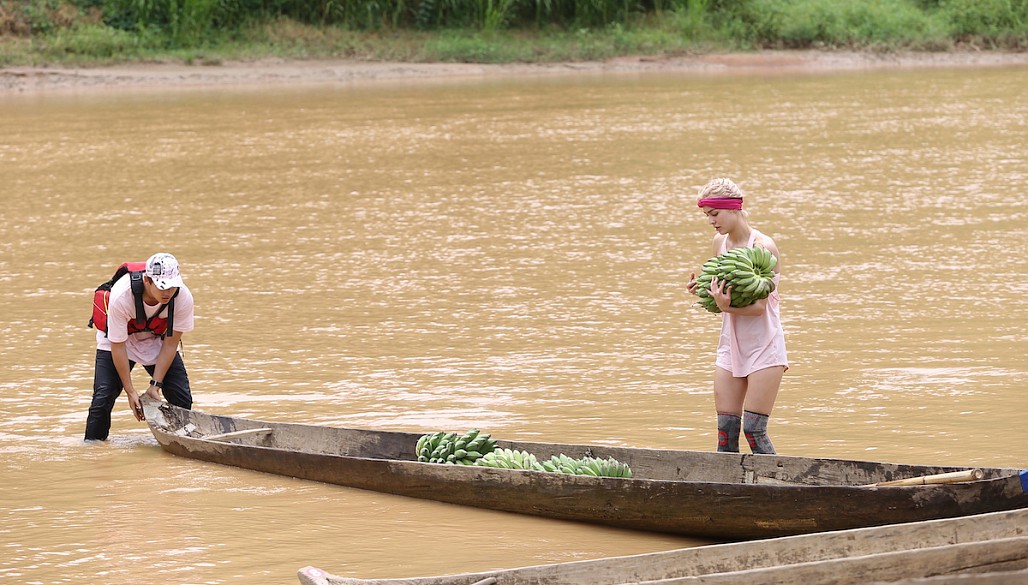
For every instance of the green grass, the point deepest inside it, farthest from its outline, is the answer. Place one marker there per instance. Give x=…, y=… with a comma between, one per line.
x=85, y=32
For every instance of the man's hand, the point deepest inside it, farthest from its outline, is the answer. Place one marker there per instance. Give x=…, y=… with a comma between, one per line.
x=136, y=406
x=153, y=393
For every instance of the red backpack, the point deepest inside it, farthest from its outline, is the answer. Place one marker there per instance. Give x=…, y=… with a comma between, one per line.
x=157, y=325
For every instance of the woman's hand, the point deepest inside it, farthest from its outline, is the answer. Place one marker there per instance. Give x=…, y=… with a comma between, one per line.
x=692, y=285
x=723, y=299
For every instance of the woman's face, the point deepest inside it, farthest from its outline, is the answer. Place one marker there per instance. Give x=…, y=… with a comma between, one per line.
x=722, y=220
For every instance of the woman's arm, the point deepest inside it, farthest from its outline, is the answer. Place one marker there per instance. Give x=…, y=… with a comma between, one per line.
x=767, y=242
x=692, y=285
x=724, y=301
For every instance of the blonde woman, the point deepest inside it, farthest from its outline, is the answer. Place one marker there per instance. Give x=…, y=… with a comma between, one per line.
x=751, y=357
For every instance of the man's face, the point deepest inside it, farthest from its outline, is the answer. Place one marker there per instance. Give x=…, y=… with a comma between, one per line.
x=162, y=296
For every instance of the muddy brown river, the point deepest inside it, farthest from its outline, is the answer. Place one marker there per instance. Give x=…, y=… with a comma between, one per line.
x=507, y=254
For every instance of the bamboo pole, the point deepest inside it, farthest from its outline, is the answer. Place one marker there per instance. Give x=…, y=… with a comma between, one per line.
x=234, y=434
x=952, y=477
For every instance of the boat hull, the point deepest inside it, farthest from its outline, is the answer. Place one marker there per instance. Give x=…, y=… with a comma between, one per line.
x=996, y=543
x=711, y=495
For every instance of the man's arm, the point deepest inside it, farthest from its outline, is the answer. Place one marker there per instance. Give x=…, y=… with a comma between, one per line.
x=169, y=345
x=121, y=363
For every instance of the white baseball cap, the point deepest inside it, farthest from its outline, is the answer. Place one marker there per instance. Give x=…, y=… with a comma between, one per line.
x=162, y=268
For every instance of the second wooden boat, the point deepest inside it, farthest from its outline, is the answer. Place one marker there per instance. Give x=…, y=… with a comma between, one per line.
x=995, y=542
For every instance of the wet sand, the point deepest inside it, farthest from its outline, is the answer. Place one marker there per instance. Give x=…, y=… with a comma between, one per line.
x=282, y=72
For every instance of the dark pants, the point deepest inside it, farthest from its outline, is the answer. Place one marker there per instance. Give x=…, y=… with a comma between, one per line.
x=107, y=387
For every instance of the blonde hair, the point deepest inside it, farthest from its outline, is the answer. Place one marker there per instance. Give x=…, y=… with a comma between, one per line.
x=722, y=187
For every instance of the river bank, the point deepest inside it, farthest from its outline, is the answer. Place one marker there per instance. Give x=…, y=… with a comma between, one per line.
x=286, y=72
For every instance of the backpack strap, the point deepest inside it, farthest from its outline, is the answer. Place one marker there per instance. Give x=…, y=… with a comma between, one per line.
x=142, y=322
x=136, y=278
x=170, y=305
x=171, y=315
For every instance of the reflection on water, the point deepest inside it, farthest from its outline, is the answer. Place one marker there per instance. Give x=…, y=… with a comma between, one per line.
x=507, y=255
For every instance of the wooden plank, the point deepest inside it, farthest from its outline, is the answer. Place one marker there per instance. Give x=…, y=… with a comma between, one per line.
x=186, y=430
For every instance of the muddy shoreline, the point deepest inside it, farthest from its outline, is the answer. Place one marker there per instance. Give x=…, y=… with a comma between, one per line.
x=281, y=72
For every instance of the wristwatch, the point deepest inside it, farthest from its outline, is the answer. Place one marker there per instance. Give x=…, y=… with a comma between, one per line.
x=156, y=383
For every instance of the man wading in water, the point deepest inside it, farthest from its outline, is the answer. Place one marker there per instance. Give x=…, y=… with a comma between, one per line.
x=140, y=320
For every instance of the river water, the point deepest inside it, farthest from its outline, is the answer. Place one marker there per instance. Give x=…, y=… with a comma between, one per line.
x=504, y=254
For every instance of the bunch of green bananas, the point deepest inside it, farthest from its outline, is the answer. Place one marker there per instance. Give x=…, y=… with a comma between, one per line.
x=608, y=467
x=562, y=464
x=477, y=448
x=444, y=447
x=510, y=459
x=749, y=271
x=593, y=466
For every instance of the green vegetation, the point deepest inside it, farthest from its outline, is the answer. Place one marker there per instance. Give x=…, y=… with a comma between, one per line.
x=209, y=31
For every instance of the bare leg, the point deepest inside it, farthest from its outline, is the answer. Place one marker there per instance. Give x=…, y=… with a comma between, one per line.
x=761, y=390
x=729, y=391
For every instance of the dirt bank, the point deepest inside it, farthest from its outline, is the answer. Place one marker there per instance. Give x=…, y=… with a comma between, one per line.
x=279, y=72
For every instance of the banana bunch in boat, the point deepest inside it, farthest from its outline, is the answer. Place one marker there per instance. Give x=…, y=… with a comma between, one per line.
x=510, y=459
x=442, y=447
x=749, y=271
x=477, y=448
x=593, y=466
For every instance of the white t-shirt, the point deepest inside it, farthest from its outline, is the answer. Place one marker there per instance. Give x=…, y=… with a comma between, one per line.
x=142, y=347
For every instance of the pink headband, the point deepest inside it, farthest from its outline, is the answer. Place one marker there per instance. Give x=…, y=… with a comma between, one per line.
x=721, y=202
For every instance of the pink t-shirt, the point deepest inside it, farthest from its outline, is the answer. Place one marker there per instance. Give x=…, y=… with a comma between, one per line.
x=752, y=342
x=142, y=347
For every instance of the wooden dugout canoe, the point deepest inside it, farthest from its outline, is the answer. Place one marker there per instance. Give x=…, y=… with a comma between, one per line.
x=714, y=495
x=990, y=578
x=993, y=548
